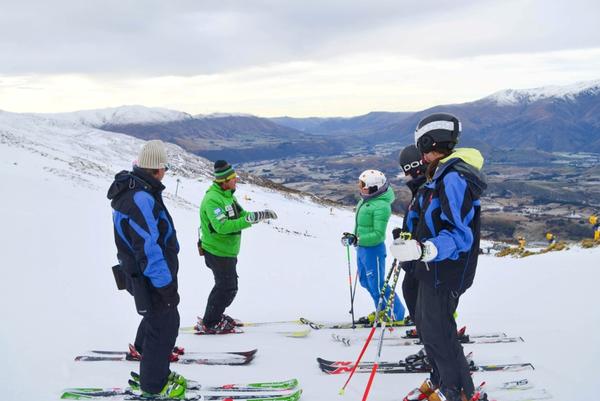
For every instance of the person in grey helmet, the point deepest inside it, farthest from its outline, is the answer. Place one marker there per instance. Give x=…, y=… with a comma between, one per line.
x=445, y=247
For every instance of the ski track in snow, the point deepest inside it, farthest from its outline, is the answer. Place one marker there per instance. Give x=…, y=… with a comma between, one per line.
x=58, y=297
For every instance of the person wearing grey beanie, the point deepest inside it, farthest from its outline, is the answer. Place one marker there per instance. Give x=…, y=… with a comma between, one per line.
x=147, y=249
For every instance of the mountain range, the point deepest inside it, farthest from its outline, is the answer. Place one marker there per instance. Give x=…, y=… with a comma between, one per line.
x=548, y=119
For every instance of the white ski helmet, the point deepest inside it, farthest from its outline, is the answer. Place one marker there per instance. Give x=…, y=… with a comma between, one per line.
x=373, y=179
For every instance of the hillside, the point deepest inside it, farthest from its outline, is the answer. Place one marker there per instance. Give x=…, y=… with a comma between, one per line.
x=59, y=299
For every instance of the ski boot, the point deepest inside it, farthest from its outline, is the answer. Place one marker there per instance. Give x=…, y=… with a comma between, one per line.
x=422, y=392
x=462, y=337
x=447, y=395
x=366, y=319
x=174, y=389
x=235, y=322
x=451, y=394
x=418, y=362
x=460, y=334
x=412, y=333
x=134, y=355
x=223, y=327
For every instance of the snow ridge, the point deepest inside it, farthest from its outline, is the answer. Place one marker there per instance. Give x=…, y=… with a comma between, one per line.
x=121, y=115
x=509, y=97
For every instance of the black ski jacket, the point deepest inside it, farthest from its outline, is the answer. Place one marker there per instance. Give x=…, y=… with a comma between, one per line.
x=146, y=240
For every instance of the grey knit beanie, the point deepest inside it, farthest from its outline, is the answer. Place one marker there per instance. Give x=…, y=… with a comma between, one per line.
x=153, y=155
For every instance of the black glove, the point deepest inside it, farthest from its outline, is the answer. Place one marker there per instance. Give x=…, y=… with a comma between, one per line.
x=200, y=250
x=349, y=239
x=255, y=217
x=169, y=295
x=396, y=232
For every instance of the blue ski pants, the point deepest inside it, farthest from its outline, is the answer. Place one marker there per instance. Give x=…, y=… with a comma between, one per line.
x=371, y=273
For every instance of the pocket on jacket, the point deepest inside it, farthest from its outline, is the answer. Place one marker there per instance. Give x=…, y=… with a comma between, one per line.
x=141, y=294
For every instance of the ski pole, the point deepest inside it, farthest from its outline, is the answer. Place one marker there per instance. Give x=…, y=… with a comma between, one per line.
x=354, y=288
x=395, y=272
x=350, y=282
x=378, y=357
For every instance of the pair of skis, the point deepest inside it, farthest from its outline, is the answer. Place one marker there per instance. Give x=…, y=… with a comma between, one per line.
x=286, y=390
x=304, y=321
x=333, y=326
x=338, y=367
x=189, y=358
x=483, y=338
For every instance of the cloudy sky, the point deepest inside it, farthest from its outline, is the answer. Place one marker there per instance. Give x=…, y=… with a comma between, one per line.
x=288, y=57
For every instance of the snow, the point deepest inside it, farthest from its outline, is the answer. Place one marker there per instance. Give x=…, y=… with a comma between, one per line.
x=510, y=97
x=58, y=297
x=120, y=115
x=222, y=115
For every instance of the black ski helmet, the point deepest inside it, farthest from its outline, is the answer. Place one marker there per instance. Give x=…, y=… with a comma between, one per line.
x=411, y=161
x=438, y=131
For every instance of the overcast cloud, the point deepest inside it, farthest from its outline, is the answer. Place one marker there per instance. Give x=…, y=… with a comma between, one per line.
x=118, y=43
x=157, y=37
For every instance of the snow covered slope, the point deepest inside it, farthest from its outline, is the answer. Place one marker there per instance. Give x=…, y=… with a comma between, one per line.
x=58, y=297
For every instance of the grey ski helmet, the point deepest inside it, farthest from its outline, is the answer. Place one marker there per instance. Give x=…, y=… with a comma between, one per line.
x=411, y=161
x=439, y=131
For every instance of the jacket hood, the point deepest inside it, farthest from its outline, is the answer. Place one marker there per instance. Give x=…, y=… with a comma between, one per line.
x=129, y=180
x=467, y=162
x=470, y=156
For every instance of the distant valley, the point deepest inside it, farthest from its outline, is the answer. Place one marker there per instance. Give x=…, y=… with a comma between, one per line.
x=541, y=146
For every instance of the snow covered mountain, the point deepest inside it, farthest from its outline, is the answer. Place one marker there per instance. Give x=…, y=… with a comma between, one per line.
x=122, y=115
x=525, y=96
x=551, y=119
x=58, y=298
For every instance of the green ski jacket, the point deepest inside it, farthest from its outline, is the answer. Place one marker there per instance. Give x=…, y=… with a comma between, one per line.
x=221, y=220
x=372, y=217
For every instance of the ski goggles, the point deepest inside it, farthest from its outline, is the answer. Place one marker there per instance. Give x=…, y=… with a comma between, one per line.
x=412, y=165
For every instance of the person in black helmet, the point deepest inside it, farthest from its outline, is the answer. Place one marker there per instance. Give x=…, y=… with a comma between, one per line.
x=411, y=163
x=445, y=246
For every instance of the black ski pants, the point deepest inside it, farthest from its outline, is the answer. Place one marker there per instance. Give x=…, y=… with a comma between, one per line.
x=155, y=339
x=410, y=289
x=437, y=330
x=225, y=288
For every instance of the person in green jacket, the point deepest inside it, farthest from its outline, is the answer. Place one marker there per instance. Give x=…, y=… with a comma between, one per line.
x=222, y=220
x=373, y=212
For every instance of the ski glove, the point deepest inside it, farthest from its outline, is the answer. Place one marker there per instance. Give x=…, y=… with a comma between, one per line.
x=407, y=250
x=168, y=295
x=255, y=217
x=349, y=239
x=200, y=250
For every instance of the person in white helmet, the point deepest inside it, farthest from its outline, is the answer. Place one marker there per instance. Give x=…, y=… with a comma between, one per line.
x=373, y=212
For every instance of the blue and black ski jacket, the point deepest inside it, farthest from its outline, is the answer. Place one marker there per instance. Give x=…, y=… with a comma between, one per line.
x=146, y=240
x=447, y=212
